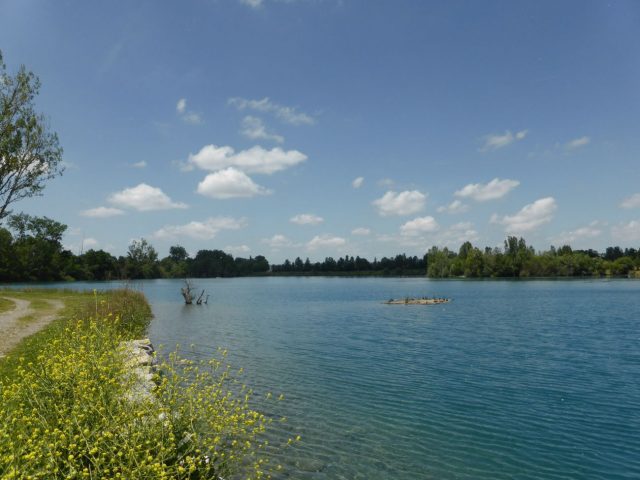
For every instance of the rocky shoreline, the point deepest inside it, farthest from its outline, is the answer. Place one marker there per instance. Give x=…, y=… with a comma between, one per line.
x=139, y=357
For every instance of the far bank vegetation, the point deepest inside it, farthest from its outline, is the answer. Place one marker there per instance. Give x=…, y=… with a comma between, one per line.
x=31, y=250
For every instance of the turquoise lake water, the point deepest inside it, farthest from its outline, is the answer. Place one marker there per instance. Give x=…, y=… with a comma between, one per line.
x=512, y=379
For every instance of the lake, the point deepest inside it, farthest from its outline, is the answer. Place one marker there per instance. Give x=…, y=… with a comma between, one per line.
x=512, y=379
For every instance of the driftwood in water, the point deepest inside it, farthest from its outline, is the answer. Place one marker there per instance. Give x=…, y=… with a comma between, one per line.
x=188, y=295
x=199, y=301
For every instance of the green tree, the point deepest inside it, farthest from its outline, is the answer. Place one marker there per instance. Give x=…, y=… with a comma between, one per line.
x=142, y=260
x=439, y=262
x=7, y=256
x=29, y=153
x=517, y=257
x=261, y=264
x=465, y=248
x=473, y=263
x=622, y=266
x=101, y=265
x=564, y=250
x=613, y=253
x=43, y=228
x=212, y=263
x=178, y=253
x=37, y=247
x=176, y=264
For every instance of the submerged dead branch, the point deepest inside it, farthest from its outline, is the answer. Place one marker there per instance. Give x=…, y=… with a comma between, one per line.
x=188, y=295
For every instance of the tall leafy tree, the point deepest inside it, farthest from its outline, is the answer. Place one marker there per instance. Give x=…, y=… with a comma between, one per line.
x=30, y=153
x=176, y=264
x=212, y=263
x=100, y=265
x=178, y=253
x=7, y=256
x=37, y=246
x=142, y=260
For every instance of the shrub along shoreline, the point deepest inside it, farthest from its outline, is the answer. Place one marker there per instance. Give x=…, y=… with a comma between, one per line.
x=66, y=412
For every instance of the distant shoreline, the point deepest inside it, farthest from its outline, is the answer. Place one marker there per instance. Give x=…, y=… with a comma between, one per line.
x=412, y=274
x=337, y=275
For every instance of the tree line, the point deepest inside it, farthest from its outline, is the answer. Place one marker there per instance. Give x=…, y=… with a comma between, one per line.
x=349, y=265
x=31, y=250
x=517, y=259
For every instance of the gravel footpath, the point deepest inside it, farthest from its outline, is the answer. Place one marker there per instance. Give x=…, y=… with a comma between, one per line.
x=12, y=330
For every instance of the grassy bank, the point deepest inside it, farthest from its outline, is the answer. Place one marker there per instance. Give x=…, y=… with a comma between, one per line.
x=67, y=409
x=131, y=306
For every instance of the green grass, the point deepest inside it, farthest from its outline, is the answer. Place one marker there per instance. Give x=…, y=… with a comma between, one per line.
x=39, y=304
x=130, y=306
x=40, y=307
x=67, y=410
x=6, y=305
x=27, y=319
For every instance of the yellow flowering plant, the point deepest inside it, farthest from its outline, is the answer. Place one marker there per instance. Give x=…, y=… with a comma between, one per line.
x=73, y=413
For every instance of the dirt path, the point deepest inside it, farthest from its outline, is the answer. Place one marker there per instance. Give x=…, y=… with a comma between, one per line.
x=14, y=328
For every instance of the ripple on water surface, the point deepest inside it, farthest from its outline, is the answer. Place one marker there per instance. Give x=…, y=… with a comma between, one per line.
x=528, y=380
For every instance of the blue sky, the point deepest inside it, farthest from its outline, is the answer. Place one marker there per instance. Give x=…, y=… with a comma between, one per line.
x=325, y=128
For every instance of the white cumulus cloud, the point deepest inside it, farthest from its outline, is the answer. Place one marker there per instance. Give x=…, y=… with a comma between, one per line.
x=89, y=243
x=288, y=115
x=237, y=249
x=361, y=231
x=493, y=190
x=590, y=231
x=452, y=236
x=419, y=226
x=357, y=182
x=205, y=230
x=187, y=116
x=144, y=198
x=577, y=143
x=86, y=244
x=306, y=219
x=101, y=212
x=530, y=217
x=230, y=183
x=181, y=106
x=140, y=164
x=626, y=232
x=255, y=129
x=325, y=241
x=192, y=117
x=457, y=234
x=277, y=241
x=252, y=3
x=254, y=160
x=403, y=203
x=497, y=141
x=454, y=207
x=631, y=202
